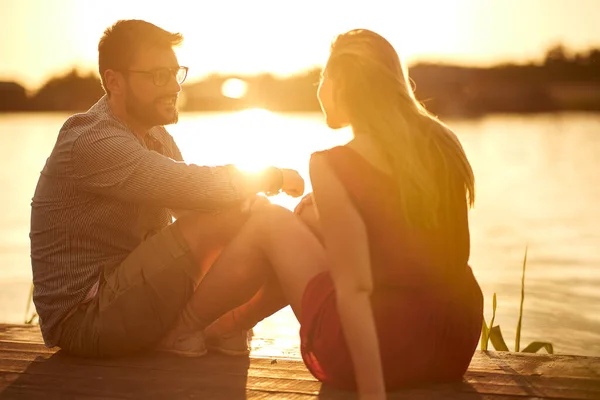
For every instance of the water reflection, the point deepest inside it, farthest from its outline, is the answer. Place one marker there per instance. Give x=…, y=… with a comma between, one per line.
x=537, y=186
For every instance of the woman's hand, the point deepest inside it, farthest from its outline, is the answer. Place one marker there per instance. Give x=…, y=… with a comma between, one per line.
x=307, y=200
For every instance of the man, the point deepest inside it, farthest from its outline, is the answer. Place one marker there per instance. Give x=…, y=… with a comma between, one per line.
x=112, y=273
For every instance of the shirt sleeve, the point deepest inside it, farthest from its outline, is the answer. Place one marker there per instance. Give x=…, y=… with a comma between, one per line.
x=112, y=162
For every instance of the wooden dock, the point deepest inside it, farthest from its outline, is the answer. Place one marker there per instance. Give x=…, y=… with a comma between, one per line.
x=28, y=370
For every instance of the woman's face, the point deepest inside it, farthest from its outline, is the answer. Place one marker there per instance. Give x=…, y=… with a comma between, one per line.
x=327, y=95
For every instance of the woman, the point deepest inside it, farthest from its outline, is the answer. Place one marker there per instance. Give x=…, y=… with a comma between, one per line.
x=391, y=301
x=392, y=214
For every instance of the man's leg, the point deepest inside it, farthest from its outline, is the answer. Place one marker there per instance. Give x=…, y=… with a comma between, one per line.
x=140, y=299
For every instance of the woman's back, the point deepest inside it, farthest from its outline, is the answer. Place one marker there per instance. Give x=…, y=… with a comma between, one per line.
x=426, y=303
x=428, y=256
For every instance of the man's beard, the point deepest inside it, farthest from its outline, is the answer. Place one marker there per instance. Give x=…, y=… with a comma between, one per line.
x=146, y=113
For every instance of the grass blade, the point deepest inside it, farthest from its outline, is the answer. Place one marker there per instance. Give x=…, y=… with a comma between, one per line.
x=518, y=335
x=485, y=334
x=492, y=321
x=534, y=347
x=29, y=318
x=497, y=339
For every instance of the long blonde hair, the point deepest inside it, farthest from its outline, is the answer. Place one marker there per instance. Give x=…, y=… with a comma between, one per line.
x=428, y=161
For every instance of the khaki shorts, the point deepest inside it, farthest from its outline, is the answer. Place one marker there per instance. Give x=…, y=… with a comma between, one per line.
x=137, y=301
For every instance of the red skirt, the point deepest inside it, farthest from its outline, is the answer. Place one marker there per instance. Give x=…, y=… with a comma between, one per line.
x=422, y=338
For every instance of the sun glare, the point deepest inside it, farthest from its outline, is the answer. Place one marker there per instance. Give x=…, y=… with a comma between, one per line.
x=256, y=151
x=234, y=88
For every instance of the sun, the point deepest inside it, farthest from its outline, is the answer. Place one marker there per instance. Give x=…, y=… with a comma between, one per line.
x=234, y=88
x=255, y=147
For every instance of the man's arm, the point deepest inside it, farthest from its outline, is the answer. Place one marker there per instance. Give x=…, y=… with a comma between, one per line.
x=174, y=149
x=112, y=162
x=176, y=155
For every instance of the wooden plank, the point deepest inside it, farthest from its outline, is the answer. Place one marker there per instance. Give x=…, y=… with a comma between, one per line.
x=485, y=363
x=162, y=388
x=519, y=385
x=27, y=367
x=547, y=365
x=263, y=379
x=21, y=333
x=161, y=361
x=30, y=370
x=50, y=388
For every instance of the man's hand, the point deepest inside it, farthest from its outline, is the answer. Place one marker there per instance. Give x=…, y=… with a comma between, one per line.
x=293, y=183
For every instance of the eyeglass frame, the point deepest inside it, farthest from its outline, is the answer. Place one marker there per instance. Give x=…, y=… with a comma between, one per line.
x=153, y=74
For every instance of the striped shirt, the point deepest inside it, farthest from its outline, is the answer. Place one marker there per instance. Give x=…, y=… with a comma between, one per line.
x=101, y=192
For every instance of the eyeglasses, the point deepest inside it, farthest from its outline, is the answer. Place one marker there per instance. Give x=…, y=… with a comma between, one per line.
x=161, y=76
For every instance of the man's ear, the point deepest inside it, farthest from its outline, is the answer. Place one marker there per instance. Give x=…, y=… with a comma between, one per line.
x=114, y=81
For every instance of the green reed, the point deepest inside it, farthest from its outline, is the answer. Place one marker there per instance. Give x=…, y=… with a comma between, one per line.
x=29, y=316
x=493, y=333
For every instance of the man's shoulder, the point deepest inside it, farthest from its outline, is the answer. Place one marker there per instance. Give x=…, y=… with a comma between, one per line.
x=79, y=124
x=95, y=121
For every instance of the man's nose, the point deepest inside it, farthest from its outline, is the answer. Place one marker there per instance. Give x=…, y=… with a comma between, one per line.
x=173, y=85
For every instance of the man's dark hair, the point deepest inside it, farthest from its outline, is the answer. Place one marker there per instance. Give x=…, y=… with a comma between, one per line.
x=121, y=42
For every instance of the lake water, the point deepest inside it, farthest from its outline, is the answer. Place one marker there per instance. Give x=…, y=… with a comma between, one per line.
x=538, y=185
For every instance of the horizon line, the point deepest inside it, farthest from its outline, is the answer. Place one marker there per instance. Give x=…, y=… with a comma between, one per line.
x=87, y=70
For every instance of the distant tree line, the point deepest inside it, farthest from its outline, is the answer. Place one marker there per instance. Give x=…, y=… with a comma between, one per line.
x=562, y=81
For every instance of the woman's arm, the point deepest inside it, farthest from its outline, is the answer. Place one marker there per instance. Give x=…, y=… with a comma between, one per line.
x=346, y=246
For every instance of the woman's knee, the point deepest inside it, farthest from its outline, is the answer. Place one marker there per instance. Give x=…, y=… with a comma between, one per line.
x=310, y=218
x=271, y=214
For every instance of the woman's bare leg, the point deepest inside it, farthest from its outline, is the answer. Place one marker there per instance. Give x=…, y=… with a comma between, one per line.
x=269, y=299
x=272, y=240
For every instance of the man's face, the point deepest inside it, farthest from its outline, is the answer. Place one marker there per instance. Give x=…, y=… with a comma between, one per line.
x=145, y=101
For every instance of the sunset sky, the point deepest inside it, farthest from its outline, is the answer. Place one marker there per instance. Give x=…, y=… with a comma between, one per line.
x=39, y=38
